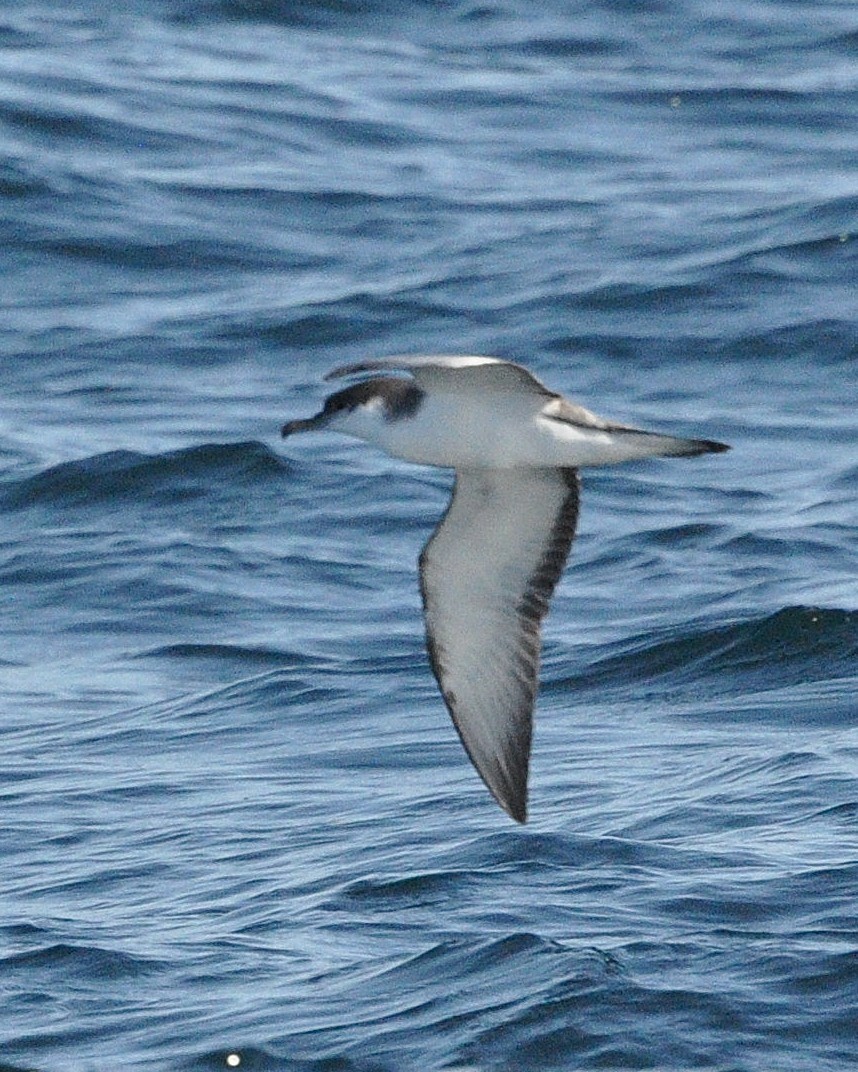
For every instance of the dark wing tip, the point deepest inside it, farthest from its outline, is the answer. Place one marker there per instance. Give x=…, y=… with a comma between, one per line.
x=353, y=370
x=505, y=780
x=516, y=809
x=342, y=370
x=506, y=775
x=510, y=793
x=507, y=783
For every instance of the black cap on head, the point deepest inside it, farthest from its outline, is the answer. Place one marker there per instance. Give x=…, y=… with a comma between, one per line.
x=399, y=398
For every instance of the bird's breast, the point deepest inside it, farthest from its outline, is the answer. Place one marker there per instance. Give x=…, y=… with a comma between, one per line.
x=446, y=432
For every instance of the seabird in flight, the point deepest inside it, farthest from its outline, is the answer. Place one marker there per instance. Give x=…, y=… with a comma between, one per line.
x=489, y=569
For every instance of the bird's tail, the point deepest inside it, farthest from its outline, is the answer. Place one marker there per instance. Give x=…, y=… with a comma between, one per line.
x=654, y=445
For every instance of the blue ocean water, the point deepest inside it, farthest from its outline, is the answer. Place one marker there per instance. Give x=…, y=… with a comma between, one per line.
x=238, y=829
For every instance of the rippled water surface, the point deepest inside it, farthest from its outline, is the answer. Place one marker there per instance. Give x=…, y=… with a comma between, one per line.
x=236, y=822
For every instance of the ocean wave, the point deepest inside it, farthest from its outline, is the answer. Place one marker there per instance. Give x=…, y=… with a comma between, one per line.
x=88, y=962
x=126, y=475
x=793, y=646
x=234, y=655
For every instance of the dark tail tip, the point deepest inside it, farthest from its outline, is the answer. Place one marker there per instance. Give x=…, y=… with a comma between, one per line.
x=712, y=446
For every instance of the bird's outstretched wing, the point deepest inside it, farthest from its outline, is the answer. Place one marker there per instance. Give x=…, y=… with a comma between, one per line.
x=454, y=372
x=486, y=576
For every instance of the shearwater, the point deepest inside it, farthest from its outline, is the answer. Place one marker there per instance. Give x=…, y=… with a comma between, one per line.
x=489, y=569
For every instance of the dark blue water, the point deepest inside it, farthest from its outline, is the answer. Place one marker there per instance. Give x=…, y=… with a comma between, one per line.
x=234, y=817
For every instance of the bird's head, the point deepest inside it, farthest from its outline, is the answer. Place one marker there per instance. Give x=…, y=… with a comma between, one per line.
x=362, y=409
